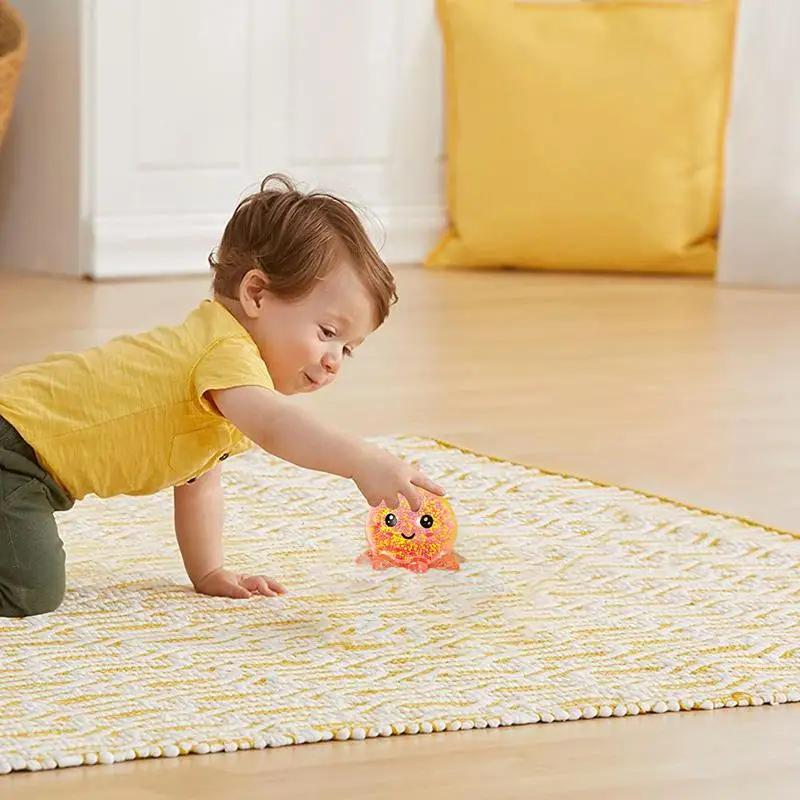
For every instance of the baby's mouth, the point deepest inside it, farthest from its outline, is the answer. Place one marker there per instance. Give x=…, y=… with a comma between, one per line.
x=408, y=535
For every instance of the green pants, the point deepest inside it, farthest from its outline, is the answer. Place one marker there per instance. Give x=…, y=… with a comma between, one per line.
x=31, y=552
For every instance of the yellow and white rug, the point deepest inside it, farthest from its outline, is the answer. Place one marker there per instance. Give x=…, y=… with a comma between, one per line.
x=576, y=601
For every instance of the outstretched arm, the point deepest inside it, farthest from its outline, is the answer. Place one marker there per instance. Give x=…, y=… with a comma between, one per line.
x=294, y=435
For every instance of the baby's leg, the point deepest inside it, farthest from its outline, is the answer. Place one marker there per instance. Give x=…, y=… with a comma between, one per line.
x=31, y=552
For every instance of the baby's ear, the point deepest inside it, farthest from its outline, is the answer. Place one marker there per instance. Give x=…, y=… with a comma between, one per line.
x=254, y=285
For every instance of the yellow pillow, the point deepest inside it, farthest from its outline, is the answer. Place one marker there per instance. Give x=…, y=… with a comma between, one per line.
x=585, y=135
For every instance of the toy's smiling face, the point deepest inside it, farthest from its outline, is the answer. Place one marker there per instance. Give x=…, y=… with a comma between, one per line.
x=405, y=537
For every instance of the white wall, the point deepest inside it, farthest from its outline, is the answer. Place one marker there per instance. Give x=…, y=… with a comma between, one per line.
x=141, y=122
x=760, y=242
x=188, y=103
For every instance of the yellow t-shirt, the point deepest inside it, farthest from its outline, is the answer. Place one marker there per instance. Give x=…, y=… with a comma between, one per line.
x=130, y=417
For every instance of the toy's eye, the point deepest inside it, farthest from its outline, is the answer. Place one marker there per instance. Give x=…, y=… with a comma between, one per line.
x=390, y=520
x=426, y=521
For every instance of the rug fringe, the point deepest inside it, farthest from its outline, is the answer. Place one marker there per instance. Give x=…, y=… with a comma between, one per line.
x=16, y=763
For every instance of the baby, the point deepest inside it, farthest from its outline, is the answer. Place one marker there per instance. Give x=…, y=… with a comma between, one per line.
x=297, y=288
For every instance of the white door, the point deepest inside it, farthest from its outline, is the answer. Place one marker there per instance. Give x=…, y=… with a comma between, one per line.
x=196, y=100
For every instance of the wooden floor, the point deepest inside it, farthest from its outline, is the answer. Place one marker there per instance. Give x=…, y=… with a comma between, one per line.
x=675, y=387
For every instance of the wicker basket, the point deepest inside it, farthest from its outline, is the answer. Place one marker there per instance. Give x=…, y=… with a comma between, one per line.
x=13, y=48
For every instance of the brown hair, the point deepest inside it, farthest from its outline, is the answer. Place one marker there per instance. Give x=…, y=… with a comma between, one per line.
x=296, y=239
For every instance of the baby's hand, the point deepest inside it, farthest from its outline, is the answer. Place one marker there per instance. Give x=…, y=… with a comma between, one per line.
x=381, y=477
x=223, y=583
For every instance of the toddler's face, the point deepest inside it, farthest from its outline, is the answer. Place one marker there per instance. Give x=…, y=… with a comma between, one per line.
x=304, y=343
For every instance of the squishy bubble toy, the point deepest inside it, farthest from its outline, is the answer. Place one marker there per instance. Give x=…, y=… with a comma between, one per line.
x=414, y=540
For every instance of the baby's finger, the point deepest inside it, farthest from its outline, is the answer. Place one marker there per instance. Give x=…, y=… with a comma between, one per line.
x=259, y=585
x=424, y=482
x=373, y=500
x=275, y=586
x=414, y=500
x=238, y=592
x=390, y=501
x=264, y=589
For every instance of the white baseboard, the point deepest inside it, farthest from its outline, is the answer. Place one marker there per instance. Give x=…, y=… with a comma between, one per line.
x=179, y=245
x=153, y=246
x=409, y=233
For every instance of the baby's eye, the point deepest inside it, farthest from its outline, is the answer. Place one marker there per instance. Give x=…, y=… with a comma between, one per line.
x=348, y=351
x=327, y=333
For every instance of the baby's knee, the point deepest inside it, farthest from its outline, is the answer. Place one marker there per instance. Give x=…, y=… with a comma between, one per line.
x=33, y=594
x=43, y=600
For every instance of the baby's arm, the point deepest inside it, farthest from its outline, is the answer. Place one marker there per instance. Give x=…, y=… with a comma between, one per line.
x=294, y=435
x=198, y=528
x=198, y=524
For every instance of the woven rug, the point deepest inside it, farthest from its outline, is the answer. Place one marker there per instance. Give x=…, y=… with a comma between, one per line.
x=576, y=601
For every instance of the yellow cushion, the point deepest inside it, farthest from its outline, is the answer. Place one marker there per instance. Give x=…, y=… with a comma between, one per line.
x=585, y=136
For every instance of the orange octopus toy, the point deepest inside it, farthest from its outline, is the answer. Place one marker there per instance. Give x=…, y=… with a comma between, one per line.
x=417, y=541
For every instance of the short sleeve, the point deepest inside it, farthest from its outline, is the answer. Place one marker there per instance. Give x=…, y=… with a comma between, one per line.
x=227, y=364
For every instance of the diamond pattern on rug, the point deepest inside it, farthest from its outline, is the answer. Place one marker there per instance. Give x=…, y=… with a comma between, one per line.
x=576, y=601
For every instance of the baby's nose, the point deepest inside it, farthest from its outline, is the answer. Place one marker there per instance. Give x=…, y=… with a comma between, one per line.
x=330, y=363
